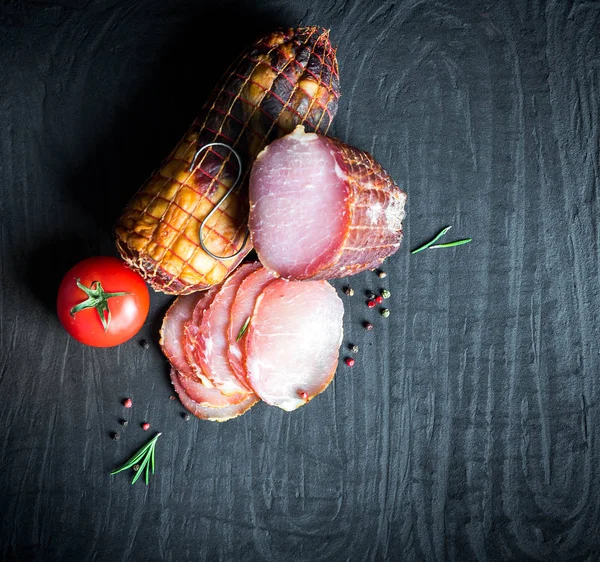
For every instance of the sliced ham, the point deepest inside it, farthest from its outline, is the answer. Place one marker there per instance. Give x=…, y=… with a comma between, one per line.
x=241, y=311
x=320, y=208
x=212, y=341
x=205, y=412
x=293, y=341
x=192, y=335
x=172, y=335
x=206, y=396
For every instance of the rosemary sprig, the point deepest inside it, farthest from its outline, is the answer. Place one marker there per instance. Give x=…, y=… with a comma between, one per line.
x=451, y=244
x=243, y=329
x=432, y=243
x=146, y=455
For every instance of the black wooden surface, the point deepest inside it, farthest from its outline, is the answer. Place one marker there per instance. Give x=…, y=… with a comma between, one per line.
x=469, y=427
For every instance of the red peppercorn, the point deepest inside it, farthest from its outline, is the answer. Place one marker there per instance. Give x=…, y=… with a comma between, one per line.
x=349, y=361
x=371, y=304
x=145, y=426
x=378, y=299
x=127, y=403
x=303, y=395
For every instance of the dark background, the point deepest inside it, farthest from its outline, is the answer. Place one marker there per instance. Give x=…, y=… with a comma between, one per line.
x=469, y=427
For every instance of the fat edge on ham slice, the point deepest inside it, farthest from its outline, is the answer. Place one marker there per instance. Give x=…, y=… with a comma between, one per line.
x=321, y=209
x=293, y=341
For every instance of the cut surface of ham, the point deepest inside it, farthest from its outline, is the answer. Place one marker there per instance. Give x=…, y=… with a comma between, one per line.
x=293, y=341
x=321, y=209
x=241, y=311
x=212, y=341
x=207, y=412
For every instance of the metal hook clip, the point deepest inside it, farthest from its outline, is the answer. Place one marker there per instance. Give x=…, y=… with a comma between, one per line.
x=227, y=194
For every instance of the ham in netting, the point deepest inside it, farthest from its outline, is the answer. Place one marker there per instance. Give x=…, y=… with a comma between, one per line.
x=293, y=341
x=320, y=208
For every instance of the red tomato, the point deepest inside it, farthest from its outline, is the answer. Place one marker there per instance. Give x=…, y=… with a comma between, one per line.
x=94, y=289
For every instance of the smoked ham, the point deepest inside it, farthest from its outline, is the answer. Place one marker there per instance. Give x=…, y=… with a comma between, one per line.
x=241, y=312
x=205, y=412
x=286, y=78
x=212, y=342
x=321, y=209
x=293, y=341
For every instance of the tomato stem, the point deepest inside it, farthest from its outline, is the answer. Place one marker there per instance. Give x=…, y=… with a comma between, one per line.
x=98, y=299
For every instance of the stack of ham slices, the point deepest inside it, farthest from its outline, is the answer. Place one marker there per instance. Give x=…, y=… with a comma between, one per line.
x=254, y=337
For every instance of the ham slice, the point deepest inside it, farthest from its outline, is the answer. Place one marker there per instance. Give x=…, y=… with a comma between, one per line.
x=321, y=209
x=172, y=335
x=192, y=336
x=241, y=311
x=206, y=396
x=205, y=412
x=293, y=341
x=212, y=342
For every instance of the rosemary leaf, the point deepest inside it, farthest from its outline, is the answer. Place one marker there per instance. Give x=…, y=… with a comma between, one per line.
x=430, y=243
x=451, y=244
x=243, y=329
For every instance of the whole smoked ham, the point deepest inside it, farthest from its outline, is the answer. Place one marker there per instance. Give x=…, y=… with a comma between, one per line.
x=321, y=209
x=287, y=78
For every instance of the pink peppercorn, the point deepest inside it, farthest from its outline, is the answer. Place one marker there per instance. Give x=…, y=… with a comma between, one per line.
x=349, y=361
x=378, y=299
x=127, y=403
x=145, y=426
x=371, y=304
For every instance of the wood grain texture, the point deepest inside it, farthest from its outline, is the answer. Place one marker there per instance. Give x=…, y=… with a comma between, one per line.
x=469, y=427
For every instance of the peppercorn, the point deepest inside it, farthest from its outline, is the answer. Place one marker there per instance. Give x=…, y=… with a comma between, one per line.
x=136, y=467
x=145, y=344
x=171, y=397
x=370, y=295
x=371, y=304
x=145, y=426
x=378, y=299
x=303, y=395
x=116, y=436
x=127, y=403
x=381, y=274
x=385, y=312
x=124, y=423
x=349, y=291
x=186, y=416
x=349, y=361
x=368, y=326
x=354, y=348
x=386, y=294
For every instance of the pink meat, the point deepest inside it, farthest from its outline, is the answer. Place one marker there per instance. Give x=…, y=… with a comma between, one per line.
x=293, y=341
x=192, y=335
x=320, y=208
x=241, y=310
x=205, y=396
x=207, y=412
x=172, y=331
x=212, y=343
